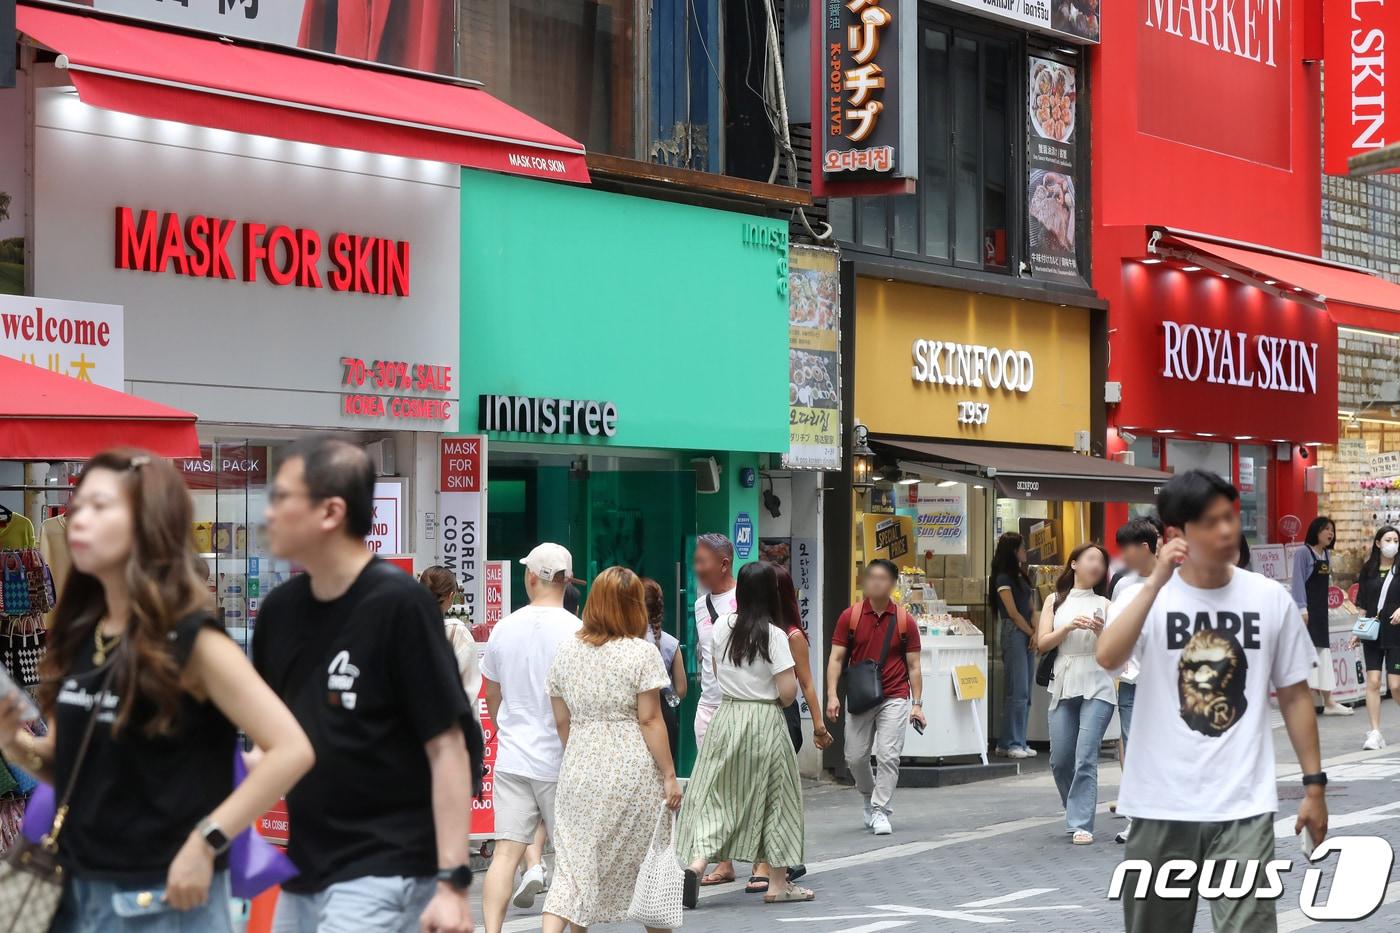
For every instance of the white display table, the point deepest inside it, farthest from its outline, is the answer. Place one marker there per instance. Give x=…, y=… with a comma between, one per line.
x=955, y=728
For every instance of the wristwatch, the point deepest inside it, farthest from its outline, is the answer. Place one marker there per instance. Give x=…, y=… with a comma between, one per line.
x=919, y=704
x=213, y=836
x=458, y=879
x=1320, y=779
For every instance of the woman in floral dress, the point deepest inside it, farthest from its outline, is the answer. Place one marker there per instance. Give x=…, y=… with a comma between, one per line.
x=617, y=776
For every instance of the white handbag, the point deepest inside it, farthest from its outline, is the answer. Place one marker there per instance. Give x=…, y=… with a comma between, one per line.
x=656, y=900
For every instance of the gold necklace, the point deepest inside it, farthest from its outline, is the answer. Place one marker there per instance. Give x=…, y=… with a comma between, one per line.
x=104, y=645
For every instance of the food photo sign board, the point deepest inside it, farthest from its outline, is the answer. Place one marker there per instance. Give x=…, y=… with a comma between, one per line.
x=814, y=333
x=1051, y=170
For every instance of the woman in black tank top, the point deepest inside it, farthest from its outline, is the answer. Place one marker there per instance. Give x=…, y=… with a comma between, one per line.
x=135, y=644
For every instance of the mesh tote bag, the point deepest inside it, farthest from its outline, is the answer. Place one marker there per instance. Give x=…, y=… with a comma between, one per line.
x=656, y=900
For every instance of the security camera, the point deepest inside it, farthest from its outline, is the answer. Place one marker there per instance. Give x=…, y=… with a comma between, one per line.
x=1128, y=436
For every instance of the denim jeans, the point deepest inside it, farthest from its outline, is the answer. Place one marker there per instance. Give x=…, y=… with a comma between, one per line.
x=88, y=907
x=1077, y=726
x=1018, y=661
x=1127, y=692
x=363, y=905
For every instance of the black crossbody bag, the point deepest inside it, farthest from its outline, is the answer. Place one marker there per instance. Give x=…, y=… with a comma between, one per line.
x=865, y=688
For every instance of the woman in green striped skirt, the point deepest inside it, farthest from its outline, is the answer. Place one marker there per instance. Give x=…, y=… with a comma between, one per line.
x=744, y=800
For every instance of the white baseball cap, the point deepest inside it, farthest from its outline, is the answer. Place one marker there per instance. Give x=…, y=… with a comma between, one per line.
x=548, y=560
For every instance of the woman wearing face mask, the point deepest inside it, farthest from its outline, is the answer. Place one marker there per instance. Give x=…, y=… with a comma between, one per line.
x=1082, y=697
x=1312, y=577
x=144, y=845
x=1379, y=598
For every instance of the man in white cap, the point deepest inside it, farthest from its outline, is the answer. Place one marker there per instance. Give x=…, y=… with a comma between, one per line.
x=516, y=664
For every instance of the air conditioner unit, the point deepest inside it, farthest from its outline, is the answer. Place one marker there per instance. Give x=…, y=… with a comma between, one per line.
x=383, y=454
x=706, y=474
x=1314, y=478
x=1081, y=442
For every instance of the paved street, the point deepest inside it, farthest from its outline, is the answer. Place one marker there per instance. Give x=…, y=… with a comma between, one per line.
x=995, y=853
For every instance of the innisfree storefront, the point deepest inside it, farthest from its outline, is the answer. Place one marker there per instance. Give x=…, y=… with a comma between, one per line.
x=626, y=361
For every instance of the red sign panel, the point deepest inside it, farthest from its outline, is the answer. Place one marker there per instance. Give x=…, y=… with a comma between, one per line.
x=483, y=807
x=225, y=468
x=1360, y=117
x=1190, y=52
x=1200, y=355
x=460, y=469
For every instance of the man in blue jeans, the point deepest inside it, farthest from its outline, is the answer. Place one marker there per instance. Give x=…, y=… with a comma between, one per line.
x=1137, y=546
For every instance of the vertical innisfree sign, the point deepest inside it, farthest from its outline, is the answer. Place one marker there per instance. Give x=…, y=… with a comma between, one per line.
x=870, y=120
x=462, y=510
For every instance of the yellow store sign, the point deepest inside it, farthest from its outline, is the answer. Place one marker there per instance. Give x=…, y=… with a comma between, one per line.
x=932, y=362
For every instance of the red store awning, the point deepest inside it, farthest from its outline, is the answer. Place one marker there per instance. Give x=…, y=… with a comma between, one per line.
x=220, y=83
x=1353, y=297
x=49, y=416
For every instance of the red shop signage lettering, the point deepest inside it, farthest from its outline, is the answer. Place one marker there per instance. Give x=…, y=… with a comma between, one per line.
x=1357, y=97
x=202, y=247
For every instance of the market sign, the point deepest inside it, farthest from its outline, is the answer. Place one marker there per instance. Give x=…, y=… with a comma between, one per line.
x=1190, y=52
x=75, y=338
x=1052, y=175
x=1360, y=117
x=868, y=71
x=1077, y=20
x=814, y=359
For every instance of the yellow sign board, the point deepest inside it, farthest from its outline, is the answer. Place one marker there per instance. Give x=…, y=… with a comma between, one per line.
x=934, y=362
x=969, y=683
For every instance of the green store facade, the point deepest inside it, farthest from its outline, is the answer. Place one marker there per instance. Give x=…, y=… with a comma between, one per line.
x=614, y=350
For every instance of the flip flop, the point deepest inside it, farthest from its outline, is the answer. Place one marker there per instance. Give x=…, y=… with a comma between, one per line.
x=690, y=893
x=758, y=884
x=791, y=895
x=714, y=878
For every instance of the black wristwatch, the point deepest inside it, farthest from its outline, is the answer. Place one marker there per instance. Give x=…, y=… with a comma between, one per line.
x=458, y=879
x=213, y=836
x=1320, y=779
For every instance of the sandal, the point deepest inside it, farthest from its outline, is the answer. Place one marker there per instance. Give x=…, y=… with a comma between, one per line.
x=714, y=878
x=758, y=884
x=791, y=894
x=1083, y=838
x=690, y=893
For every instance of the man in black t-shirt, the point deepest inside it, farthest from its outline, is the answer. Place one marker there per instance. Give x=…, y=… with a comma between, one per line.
x=355, y=647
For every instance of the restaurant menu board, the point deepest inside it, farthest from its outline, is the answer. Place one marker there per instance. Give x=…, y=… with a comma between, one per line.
x=1051, y=167
x=814, y=385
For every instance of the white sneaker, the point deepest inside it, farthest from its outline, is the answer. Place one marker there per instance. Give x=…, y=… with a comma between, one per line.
x=531, y=884
x=1017, y=753
x=1002, y=752
x=1122, y=837
x=1338, y=709
x=880, y=826
x=869, y=815
x=1374, y=740
x=1030, y=752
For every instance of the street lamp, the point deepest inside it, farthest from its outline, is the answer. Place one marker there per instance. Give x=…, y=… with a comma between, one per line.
x=862, y=460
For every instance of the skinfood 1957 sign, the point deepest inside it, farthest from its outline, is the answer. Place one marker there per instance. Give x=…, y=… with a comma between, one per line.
x=869, y=65
x=973, y=366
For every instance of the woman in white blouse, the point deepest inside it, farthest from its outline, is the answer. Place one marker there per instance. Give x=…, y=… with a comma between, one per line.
x=1082, y=697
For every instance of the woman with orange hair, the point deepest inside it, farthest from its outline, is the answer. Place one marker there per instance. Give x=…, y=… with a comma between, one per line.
x=617, y=774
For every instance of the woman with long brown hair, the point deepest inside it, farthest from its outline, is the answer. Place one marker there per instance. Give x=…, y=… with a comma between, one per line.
x=134, y=642
x=672, y=661
x=617, y=777
x=442, y=583
x=1082, y=697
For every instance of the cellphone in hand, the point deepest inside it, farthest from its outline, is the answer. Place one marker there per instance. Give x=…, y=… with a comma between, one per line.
x=1305, y=842
x=918, y=727
x=28, y=712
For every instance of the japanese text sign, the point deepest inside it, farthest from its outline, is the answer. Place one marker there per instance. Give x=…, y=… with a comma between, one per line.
x=871, y=95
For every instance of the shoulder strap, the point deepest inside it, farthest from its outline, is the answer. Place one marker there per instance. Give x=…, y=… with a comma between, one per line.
x=902, y=620
x=710, y=608
x=50, y=841
x=853, y=616
x=889, y=637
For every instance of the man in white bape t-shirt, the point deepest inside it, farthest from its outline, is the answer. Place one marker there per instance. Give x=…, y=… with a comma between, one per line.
x=1209, y=640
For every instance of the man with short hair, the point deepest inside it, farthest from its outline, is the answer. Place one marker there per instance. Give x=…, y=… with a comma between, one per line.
x=355, y=648
x=713, y=564
x=864, y=632
x=1137, y=545
x=515, y=671
x=1210, y=639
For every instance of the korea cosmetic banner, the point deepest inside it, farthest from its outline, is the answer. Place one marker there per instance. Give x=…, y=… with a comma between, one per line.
x=814, y=334
x=462, y=517
x=417, y=34
x=1051, y=166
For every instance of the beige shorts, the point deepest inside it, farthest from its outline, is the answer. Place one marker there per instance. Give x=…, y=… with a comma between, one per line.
x=1324, y=676
x=521, y=804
